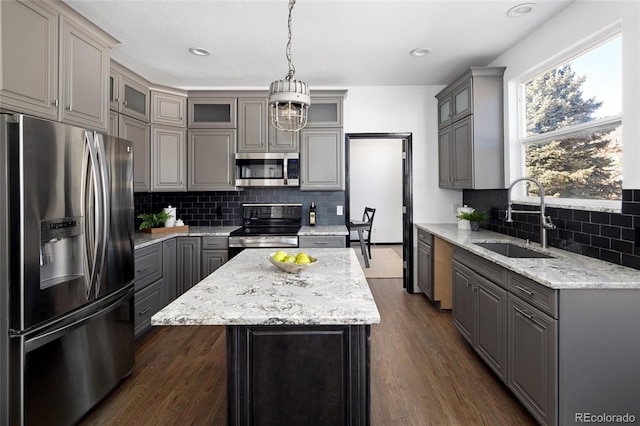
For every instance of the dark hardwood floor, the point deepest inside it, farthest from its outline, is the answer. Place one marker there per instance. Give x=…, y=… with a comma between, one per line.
x=422, y=373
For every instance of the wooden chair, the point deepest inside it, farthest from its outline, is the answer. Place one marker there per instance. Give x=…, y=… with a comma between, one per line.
x=365, y=225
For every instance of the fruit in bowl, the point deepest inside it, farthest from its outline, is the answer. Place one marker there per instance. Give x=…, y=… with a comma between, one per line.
x=292, y=263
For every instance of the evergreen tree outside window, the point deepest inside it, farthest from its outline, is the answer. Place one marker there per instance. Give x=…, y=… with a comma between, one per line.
x=571, y=127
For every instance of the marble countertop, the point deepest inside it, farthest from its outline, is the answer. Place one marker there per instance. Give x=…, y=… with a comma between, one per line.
x=143, y=239
x=249, y=290
x=566, y=270
x=323, y=230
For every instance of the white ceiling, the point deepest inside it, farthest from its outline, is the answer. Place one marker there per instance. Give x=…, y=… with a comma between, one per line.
x=336, y=44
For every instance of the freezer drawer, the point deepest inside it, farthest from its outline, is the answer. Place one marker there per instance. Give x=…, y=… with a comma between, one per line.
x=67, y=371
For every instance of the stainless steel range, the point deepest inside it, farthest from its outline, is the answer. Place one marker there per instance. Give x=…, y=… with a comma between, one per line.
x=267, y=225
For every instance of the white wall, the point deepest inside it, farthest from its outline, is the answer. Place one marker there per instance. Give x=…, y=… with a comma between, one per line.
x=578, y=22
x=399, y=109
x=375, y=168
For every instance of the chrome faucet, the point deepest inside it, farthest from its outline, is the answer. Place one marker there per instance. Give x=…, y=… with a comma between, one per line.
x=545, y=221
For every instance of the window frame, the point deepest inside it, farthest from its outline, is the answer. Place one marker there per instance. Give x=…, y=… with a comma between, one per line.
x=521, y=140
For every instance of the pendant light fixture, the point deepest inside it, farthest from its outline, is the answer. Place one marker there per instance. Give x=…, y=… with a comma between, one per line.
x=289, y=98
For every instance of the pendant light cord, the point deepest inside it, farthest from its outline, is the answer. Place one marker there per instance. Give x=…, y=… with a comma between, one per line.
x=292, y=68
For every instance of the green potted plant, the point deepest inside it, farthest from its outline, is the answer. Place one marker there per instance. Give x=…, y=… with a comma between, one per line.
x=153, y=220
x=474, y=218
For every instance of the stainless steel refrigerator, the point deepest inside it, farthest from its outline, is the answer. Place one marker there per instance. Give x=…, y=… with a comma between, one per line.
x=66, y=269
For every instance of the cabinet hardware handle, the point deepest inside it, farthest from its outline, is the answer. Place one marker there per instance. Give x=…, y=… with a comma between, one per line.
x=144, y=311
x=70, y=108
x=524, y=290
x=125, y=102
x=523, y=313
x=55, y=103
x=320, y=242
x=142, y=269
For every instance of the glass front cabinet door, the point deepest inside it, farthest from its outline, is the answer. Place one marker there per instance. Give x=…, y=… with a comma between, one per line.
x=212, y=113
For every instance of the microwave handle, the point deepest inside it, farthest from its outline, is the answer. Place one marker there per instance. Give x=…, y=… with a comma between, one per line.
x=284, y=172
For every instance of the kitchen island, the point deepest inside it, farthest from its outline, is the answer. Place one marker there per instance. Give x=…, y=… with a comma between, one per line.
x=297, y=344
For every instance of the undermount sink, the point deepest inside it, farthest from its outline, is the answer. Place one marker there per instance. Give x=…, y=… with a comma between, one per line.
x=513, y=250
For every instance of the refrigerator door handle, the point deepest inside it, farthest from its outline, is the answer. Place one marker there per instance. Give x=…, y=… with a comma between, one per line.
x=92, y=212
x=105, y=203
x=50, y=336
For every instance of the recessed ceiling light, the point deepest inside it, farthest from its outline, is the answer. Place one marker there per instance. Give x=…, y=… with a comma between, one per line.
x=199, y=51
x=420, y=51
x=521, y=9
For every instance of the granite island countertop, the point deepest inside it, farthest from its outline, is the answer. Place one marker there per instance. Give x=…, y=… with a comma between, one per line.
x=249, y=290
x=566, y=270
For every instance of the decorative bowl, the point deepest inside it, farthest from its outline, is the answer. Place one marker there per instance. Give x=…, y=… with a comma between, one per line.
x=292, y=267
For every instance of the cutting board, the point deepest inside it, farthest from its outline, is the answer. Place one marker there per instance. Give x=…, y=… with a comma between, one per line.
x=165, y=229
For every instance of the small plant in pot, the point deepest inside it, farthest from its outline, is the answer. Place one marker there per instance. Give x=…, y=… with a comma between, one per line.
x=474, y=218
x=153, y=220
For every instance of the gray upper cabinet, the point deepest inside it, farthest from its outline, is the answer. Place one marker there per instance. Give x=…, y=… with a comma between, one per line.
x=326, y=109
x=29, y=81
x=168, y=109
x=64, y=74
x=252, y=125
x=168, y=158
x=85, y=64
x=211, y=159
x=209, y=112
x=455, y=104
x=137, y=132
x=321, y=159
x=281, y=141
x=113, y=128
x=470, y=139
x=128, y=93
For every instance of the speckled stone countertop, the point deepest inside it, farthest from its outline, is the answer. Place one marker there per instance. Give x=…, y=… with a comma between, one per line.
x=143, y=239
x=249, y=290
x=566, y=270
x=323, y=230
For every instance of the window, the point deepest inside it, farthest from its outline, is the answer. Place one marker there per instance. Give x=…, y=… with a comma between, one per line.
x=570, y=125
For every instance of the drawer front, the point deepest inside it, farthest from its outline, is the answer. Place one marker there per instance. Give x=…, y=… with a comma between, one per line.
x=215, y=243
x=538, y=295
x=487, y=269
x=425, y=237
x=321, y=242
x=148, y=301
x=148, y=263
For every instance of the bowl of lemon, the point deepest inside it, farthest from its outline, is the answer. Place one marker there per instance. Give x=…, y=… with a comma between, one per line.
x=292, y=263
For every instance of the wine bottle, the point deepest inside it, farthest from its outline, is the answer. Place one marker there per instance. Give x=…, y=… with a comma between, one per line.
x=312, y=214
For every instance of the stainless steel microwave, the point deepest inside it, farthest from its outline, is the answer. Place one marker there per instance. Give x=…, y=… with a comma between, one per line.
x=268, y=169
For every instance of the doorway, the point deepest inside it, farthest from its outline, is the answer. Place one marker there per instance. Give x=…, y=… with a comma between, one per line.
x=387, y=142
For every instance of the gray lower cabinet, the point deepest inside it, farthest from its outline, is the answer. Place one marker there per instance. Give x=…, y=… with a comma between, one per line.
x=321, y=159
x=169, y=272
x=425, y=263
x=148, y=285
x=516, y=339
x=533, y=359
x=188, y=258
x=321, y=241
x=211, y=159
x=214, y=254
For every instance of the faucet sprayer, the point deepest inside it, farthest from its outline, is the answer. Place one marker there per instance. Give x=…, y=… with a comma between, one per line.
x=545, y=221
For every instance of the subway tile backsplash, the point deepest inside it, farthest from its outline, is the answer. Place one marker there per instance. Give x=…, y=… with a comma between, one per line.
x=224, y=208
x=613, y=237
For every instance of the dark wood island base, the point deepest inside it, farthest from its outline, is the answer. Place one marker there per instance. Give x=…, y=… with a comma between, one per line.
x=299, y=375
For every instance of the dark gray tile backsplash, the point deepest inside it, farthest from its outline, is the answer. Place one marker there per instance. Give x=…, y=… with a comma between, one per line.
x=224, y=208
x=613, y=237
